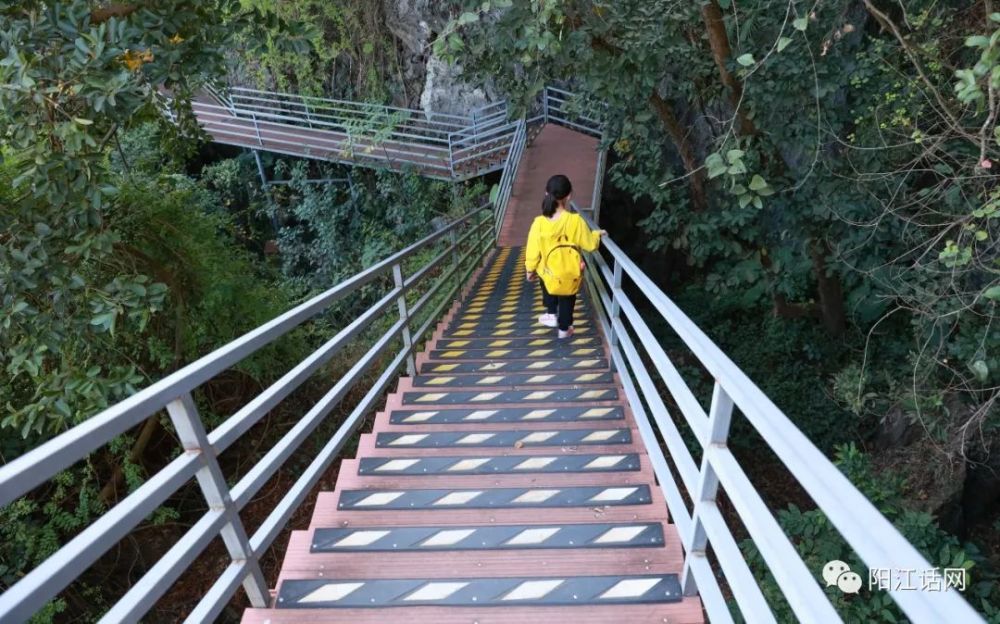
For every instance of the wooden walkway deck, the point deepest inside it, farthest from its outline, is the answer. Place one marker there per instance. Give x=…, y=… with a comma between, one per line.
x=505, y=484
x=554, y=150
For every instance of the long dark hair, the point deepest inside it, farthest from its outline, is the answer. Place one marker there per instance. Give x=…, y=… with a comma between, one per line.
x=557, y=189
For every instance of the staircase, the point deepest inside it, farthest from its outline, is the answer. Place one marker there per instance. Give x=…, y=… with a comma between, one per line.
x=505, y=482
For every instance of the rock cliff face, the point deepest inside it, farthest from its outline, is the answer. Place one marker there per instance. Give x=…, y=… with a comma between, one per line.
x=442, y=87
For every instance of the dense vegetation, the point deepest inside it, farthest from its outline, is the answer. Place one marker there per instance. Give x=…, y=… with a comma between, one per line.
x=129, y=248
x=812, y=181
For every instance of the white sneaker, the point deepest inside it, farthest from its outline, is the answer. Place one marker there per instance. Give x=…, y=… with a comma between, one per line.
x=549, y=320
x=566, y=334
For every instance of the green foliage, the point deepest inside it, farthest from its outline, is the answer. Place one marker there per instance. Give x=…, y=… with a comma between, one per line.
x=818, y=542
x=333, y=230
x=350, y=53
x=75, y=78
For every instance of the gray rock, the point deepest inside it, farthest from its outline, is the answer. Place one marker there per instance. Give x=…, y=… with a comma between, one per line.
x=446, y=91
x=442, y=87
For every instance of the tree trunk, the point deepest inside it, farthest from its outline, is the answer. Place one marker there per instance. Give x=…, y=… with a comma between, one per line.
x=718, y=39
x=680, y=139
x=782, y=308
x=830, y=291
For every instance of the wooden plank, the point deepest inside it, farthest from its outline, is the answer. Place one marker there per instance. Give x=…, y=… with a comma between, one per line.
x=367, y=448
x=688, y=611
x=349, y=479
x=555, y=150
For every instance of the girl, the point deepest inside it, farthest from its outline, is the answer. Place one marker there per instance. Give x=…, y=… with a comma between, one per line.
x=559, y=228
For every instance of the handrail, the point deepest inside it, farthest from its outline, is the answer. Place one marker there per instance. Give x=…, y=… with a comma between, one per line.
x=201, y=448
x=440, y=145
x=863, y=527
x=560, y=106
x=506, y=186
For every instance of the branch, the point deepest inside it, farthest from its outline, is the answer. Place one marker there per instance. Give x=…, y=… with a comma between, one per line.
x=104, y=13
x=888, y=24
x=718, y=40
x=684, y=148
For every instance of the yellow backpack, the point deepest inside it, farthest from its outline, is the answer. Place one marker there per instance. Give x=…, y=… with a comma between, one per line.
x=563, y=270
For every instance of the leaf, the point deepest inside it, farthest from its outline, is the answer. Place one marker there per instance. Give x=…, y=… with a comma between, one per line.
x=716, y=166
x=981, y=371
x=83, y=122
x=977, y=41
x=737, y=168
x=757, y=183
x=783, y=43
x=745, y=200
x=801, y=24
x=993, y=292
x=467, y=18
x=981, y=235
x=733, y=155
x=758, y=204
x=494, y=193
x=746, y=60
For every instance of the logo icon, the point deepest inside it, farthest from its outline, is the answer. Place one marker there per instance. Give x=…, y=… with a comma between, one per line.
x=838, y=573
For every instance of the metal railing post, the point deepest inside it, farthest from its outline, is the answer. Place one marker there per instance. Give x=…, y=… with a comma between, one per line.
x=720, y=415
x=191, y=432
x=595, y=199
x=616, y=296
x=256, y=128
x=260, y=168
x=453, y=246
x=451, y=155
x=545, y=105
x=397, y=278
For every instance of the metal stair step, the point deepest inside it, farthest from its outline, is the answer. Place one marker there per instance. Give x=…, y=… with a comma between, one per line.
x=563, y=395
x=523, y=323
x=517, y=354
x=511, y=343
x=515, y=366
x=504, y=439
x=534, y=591
x=505, y=537
x=512, y=381
x=507, y=332
x=374, y=500
x=433, y=416
x=505, y=464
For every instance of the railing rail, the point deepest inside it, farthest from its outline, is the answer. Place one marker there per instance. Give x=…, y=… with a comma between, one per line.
x=200, y=448
x=701, y=525
x=568, y=109
x=518, y=142
x=439, y=145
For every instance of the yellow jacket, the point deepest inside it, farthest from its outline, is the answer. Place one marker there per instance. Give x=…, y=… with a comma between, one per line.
x=546, y=234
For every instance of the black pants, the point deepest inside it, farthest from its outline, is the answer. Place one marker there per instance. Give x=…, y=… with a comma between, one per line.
x=560, y=305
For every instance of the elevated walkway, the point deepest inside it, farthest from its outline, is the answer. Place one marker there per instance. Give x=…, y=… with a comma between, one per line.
x=436, y=145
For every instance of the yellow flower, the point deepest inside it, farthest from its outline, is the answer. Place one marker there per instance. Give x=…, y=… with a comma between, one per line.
x=134, y=60
x=176, y=39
